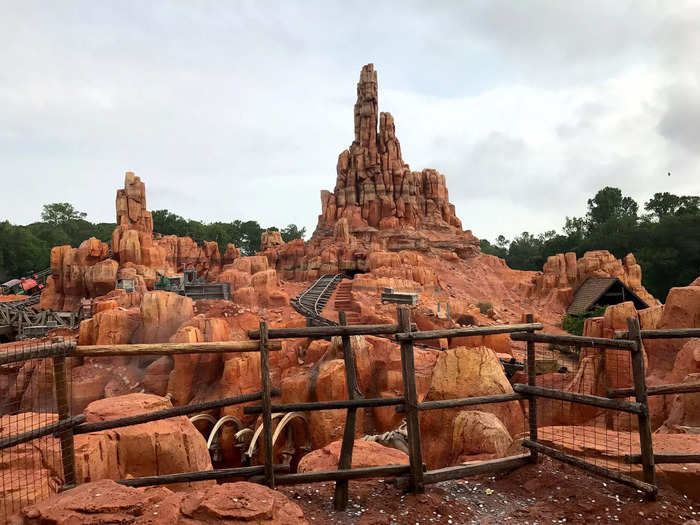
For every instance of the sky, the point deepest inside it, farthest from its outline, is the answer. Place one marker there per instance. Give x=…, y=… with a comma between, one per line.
x=239, y=110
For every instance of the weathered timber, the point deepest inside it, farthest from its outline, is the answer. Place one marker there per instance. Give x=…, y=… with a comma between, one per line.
x=169, y=412
x=410, y=395
x=589, y=467
x=328, y=331
x=584, y=399
x=51, y=428
x=203, y=475
x=170, y=348
x=340, y=499
x=640, y=392
x=65, y=435
x=336, y=475
x=36, y=352
x=464, y=402
x=574, y=340
x=466, y=332
x=266, y=404
x=329, y=405
x=658, y=390
x=668, y=333
x=531, y=381
x=665, y=458
x=483, y=467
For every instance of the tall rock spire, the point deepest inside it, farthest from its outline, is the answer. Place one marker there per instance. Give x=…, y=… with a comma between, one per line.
x=375, y=189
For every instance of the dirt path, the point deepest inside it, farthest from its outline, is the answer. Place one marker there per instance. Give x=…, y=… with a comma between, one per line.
x=547, y=493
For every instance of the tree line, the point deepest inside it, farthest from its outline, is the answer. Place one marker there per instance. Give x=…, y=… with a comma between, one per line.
x=26, y=248
x=665, y=237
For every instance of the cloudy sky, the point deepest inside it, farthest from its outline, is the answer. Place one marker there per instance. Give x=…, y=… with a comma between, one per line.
x=239, y=109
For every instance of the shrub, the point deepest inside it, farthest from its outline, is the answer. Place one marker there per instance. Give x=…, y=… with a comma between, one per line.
x=574, y=323
x=484, y=307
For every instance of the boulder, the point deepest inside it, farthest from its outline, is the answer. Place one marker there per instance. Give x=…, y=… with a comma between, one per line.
x=165, y=446
x=364, y=454
x=460, y=373
x=162, y=314
x=477, y=432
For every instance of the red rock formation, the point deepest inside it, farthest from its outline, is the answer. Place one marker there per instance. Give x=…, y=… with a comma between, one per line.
x=108, y=502
x=562, y=274
x=378, y=203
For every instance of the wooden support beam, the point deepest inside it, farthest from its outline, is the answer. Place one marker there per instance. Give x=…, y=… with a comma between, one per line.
x=329, y=405
x=65, y=435
x=574, y=340
x=640, y=392
x=473, y=469
x=36, y=352
x=266, y=404
x=658, y=390
x=585, y=399
x=340, y=499
x=589, y=467
x=408, y=371
x=186, y=477
x=328, y=331
x=669, y=333
x=467, y=332
x=464, y=402
x=169, y=412
x=47, y=430
x=664, y=458
x=531, y=381
x=336, y=475
x=170, y=348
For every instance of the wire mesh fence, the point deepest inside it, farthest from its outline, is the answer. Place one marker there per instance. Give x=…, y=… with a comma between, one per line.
x=32, y=470
x=600, y=436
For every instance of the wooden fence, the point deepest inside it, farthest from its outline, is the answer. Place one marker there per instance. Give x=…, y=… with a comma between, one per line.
x=414, y=475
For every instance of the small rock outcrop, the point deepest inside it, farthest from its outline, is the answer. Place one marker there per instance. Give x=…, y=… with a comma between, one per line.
x=364, y=454
x=108, y=502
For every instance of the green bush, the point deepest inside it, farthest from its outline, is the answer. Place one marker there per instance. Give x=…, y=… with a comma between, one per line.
x=484, y=307
x=574, y=323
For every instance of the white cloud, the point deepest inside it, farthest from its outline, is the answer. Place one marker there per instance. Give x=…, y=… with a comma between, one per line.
x=240, y=110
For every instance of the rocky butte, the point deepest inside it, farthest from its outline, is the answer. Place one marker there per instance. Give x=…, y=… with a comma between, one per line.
x=383, y=225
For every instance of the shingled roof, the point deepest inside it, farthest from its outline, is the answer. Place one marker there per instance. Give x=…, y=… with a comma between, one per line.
x=594, y=288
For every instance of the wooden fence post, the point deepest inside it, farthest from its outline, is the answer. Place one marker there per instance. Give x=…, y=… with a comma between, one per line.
x=640, y=392
x=532, y=400
x=63, y=406
x=340, y=500
x=411, y=399
x=266, y=404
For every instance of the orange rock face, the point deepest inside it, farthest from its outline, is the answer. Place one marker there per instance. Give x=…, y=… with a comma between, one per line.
x=682, y=310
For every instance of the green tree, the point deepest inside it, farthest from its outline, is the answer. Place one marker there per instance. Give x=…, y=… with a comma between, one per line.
x=609, y=206
x=292, y=231
x=60, y=213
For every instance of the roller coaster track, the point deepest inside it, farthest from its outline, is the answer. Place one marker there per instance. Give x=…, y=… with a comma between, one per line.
x=311, y=301
x=17, y=317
